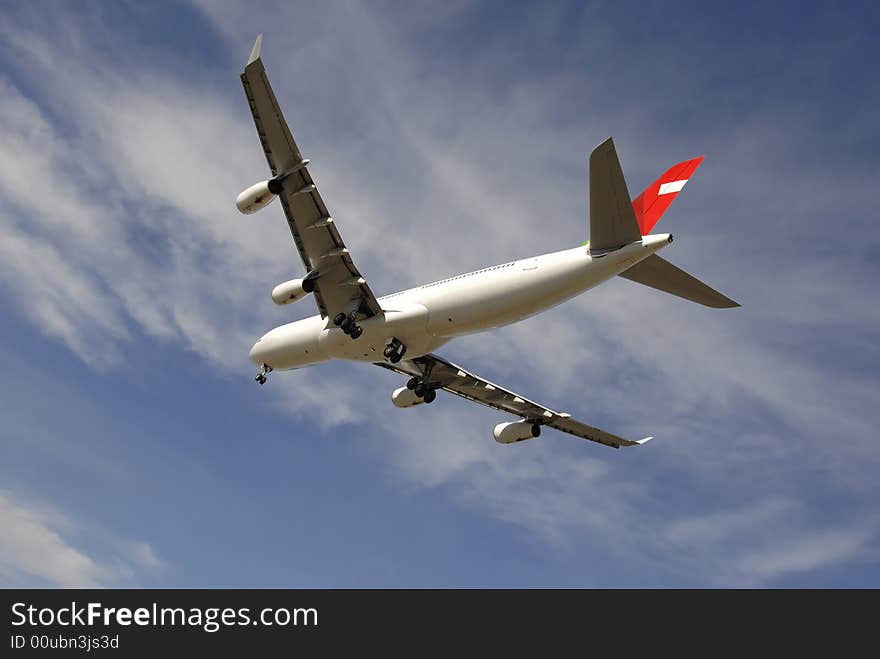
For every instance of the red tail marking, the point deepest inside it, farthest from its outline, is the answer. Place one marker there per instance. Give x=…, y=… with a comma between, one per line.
x=651, y=204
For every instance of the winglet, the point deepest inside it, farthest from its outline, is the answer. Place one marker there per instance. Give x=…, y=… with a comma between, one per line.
x=255, y=52
x=632, y=442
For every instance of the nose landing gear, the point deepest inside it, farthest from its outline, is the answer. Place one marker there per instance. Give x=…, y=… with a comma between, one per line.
x=265, y=369
x=394, y=351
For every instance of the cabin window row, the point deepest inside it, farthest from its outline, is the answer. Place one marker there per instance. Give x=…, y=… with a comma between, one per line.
x=469, y=274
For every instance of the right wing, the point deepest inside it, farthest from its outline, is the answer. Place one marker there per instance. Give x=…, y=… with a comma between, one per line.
x=456, y=380
x=339, y=286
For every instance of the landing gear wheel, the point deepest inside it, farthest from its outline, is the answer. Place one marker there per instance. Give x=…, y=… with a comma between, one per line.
x=411, y=383
x=394, y=351
x=265, y=369
x=356, y=332
x=430, y=395
x=420, y=390
x=338, y=319
x=347, y=326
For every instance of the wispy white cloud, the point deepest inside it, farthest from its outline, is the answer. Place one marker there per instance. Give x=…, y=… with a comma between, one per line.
x=766, y=541
x=143, y=555
x=38, y=547
x=717, y=527
x=809, y=552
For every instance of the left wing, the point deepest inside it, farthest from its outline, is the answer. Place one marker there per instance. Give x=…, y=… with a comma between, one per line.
x=339, y=287
x=442, y=374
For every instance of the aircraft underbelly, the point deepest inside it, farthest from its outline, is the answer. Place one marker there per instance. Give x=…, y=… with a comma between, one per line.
x=408, y=323
x=504, y=297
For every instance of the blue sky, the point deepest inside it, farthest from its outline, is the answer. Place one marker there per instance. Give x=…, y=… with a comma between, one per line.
x=136, y=448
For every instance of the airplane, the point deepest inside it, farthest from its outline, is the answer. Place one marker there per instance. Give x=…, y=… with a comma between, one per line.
x=401, y=331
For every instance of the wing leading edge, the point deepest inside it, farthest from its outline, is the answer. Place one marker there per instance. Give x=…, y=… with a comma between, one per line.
x=456, y=380
x=339, y=286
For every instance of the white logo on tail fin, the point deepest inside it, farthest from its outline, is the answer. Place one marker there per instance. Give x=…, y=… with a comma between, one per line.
x=669, y=188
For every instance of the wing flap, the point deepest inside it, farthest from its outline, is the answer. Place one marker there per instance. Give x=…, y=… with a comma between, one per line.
x=584, y=431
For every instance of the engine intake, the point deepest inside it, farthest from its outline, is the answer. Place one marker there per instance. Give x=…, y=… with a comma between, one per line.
x=516, y=431
x=255, y=197
x=404, y=397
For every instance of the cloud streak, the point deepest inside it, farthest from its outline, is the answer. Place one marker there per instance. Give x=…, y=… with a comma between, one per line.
x=36, y=546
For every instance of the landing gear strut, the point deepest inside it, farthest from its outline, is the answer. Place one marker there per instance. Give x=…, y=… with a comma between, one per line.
x=423, y=391
x=265, y=369
x=348, y=324
x=394, y=351
x=421, y=387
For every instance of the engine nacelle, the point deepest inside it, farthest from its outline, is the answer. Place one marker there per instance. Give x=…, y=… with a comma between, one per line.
x=404, y=397
x=516, y=431
x=291, y=291
x=255, y=197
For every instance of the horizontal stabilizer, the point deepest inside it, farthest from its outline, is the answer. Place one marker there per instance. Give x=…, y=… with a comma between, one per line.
x=659, y=273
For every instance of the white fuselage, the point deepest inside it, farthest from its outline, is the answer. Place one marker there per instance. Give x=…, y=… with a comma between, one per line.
x=426, y=317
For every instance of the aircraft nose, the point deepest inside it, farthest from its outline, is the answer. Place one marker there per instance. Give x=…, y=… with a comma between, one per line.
x=258, y=352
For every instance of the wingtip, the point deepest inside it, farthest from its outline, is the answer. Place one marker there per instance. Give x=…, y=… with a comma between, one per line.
x=633, y=442
x=255, y=51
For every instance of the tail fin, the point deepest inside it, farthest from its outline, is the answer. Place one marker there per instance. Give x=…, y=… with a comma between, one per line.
x=612, y=219
x=661, y=274
x=653, y=202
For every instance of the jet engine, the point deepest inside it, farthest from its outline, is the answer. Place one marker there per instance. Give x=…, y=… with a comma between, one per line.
x=404, y=397
x=292, y=291
x=516, y=431
x=256, y=197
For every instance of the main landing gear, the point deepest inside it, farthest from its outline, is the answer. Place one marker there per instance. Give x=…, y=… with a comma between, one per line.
x=420, y=387
x=265, y=369
x=394, y=351
x=348, y=324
